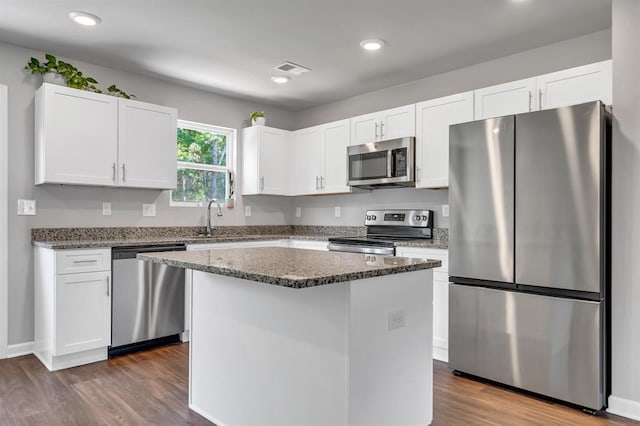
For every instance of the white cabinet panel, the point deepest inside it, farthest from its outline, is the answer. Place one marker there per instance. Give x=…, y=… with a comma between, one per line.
x=310, y=245
x=389, y=124
x=504, y=99
x=86, y=138
x=82, y=312
x=575, y=86
x=76, y=136
x=82, y=260
x=265, y=160
x=146, y=132
x=433, y=119
x=321, y=159
x=440, y=297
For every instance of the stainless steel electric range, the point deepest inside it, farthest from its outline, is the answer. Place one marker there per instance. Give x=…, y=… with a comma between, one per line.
x=384, y=229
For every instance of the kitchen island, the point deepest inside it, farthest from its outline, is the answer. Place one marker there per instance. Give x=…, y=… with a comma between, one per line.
x=302, y=337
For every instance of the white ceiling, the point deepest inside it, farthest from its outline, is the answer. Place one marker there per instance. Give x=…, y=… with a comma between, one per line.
x=231, y=46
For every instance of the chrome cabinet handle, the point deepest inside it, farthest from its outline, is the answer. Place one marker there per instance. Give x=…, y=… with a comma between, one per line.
x=123, y=171
x=376, y=130
x=322, y=182
x=381, y=129
x=113, y=167
x=261, y=183
x=530, y=99
x=85, y=261
x=539, y=98
x=108, y=286
x=418, y=174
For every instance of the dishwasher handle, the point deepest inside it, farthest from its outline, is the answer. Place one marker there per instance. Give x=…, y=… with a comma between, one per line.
x=131, y=252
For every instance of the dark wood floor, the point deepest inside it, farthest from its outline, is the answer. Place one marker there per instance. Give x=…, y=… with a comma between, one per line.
x=151, y=388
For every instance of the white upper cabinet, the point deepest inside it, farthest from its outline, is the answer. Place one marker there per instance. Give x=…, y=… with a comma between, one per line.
x=265, y=161
x=504, y=99
x=389, y=124
x=147, y=131
x=86, y=138
x=76, y=137
x=563, y=88
x=321, y=159
x=433, y=119
x=575, y=86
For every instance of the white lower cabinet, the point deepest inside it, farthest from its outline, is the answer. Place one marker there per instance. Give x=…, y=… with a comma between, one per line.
x=440, y=297
x=72, y=306
x=310, y=245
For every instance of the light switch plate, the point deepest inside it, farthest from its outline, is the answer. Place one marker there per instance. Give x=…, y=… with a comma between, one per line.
x=148, y=210
x=298, y=211
x=26, y=207
x=247, y=211
x=337, y=211
x=445, y=210
x=106, y=209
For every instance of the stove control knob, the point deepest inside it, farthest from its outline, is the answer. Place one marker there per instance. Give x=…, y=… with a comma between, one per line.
x=418, y=217
x=368, y=217
x=373, y=217
x=424, y=218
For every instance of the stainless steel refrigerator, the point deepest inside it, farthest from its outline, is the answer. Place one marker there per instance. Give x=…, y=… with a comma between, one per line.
x=529, y=252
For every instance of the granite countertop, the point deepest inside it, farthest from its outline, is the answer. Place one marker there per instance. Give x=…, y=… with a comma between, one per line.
x=289, y=267
x=79, y=238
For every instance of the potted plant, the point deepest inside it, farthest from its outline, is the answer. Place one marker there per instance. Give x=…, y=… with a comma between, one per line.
x=257, y=118
x=60, y=72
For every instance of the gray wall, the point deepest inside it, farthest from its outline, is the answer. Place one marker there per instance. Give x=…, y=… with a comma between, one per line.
x=69, y=206
x=625, y=397
x=579, y=51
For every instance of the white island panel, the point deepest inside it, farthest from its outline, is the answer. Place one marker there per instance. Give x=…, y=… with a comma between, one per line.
x=264, y=354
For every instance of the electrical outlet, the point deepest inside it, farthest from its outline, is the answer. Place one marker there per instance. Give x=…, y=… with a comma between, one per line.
x=106, y=209
x=247, y=211
x=298, y=211
x=395, y=320
x=445, y=210
x=148, y=210
x=26, y=207
x=337, y=211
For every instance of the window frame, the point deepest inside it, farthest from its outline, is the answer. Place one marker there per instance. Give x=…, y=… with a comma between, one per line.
x=229, y=168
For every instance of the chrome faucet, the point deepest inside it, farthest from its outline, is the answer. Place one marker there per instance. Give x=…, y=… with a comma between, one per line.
x=219, y=213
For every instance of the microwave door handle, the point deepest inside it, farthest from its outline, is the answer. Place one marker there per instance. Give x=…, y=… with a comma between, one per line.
x=390, y=163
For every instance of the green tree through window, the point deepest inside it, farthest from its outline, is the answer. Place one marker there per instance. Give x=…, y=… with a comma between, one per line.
x=203, y=162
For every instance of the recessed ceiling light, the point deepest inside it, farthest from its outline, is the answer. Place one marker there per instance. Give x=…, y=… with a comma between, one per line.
x=85, y=18
x=371, y=44
x=280, y=79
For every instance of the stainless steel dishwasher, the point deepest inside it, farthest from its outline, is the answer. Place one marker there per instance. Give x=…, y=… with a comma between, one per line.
x=147, y=307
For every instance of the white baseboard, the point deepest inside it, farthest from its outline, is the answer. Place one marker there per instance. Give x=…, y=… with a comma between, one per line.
x=20, y=349
x=624, y=407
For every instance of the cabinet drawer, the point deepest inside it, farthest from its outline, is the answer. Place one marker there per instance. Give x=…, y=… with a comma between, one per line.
x=73, y=261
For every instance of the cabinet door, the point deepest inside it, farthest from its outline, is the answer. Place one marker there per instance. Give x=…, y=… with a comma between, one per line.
x=398, y=122
x=336, y=141
x=433, y=119
x=249, y=172
x=575, y=86
x=506, y=99
x=273, y=157
x=82, y=312
x=308, y=160
x=147, y=145
x=76, y=136
x=365, y=128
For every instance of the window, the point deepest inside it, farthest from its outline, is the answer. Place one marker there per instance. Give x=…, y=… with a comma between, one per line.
x=204, y=164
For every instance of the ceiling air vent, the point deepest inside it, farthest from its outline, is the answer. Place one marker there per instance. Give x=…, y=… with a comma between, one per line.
x=291, y=68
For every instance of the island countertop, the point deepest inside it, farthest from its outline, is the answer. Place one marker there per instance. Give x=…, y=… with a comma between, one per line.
x=289, y=267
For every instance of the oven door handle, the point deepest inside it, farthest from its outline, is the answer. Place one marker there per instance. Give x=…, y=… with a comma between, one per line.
x=385, y=251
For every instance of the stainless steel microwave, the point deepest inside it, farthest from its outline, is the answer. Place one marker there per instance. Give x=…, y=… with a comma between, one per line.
x=382, y=164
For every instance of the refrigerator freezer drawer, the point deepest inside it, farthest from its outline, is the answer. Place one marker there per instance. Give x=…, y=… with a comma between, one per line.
x=548, y=345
